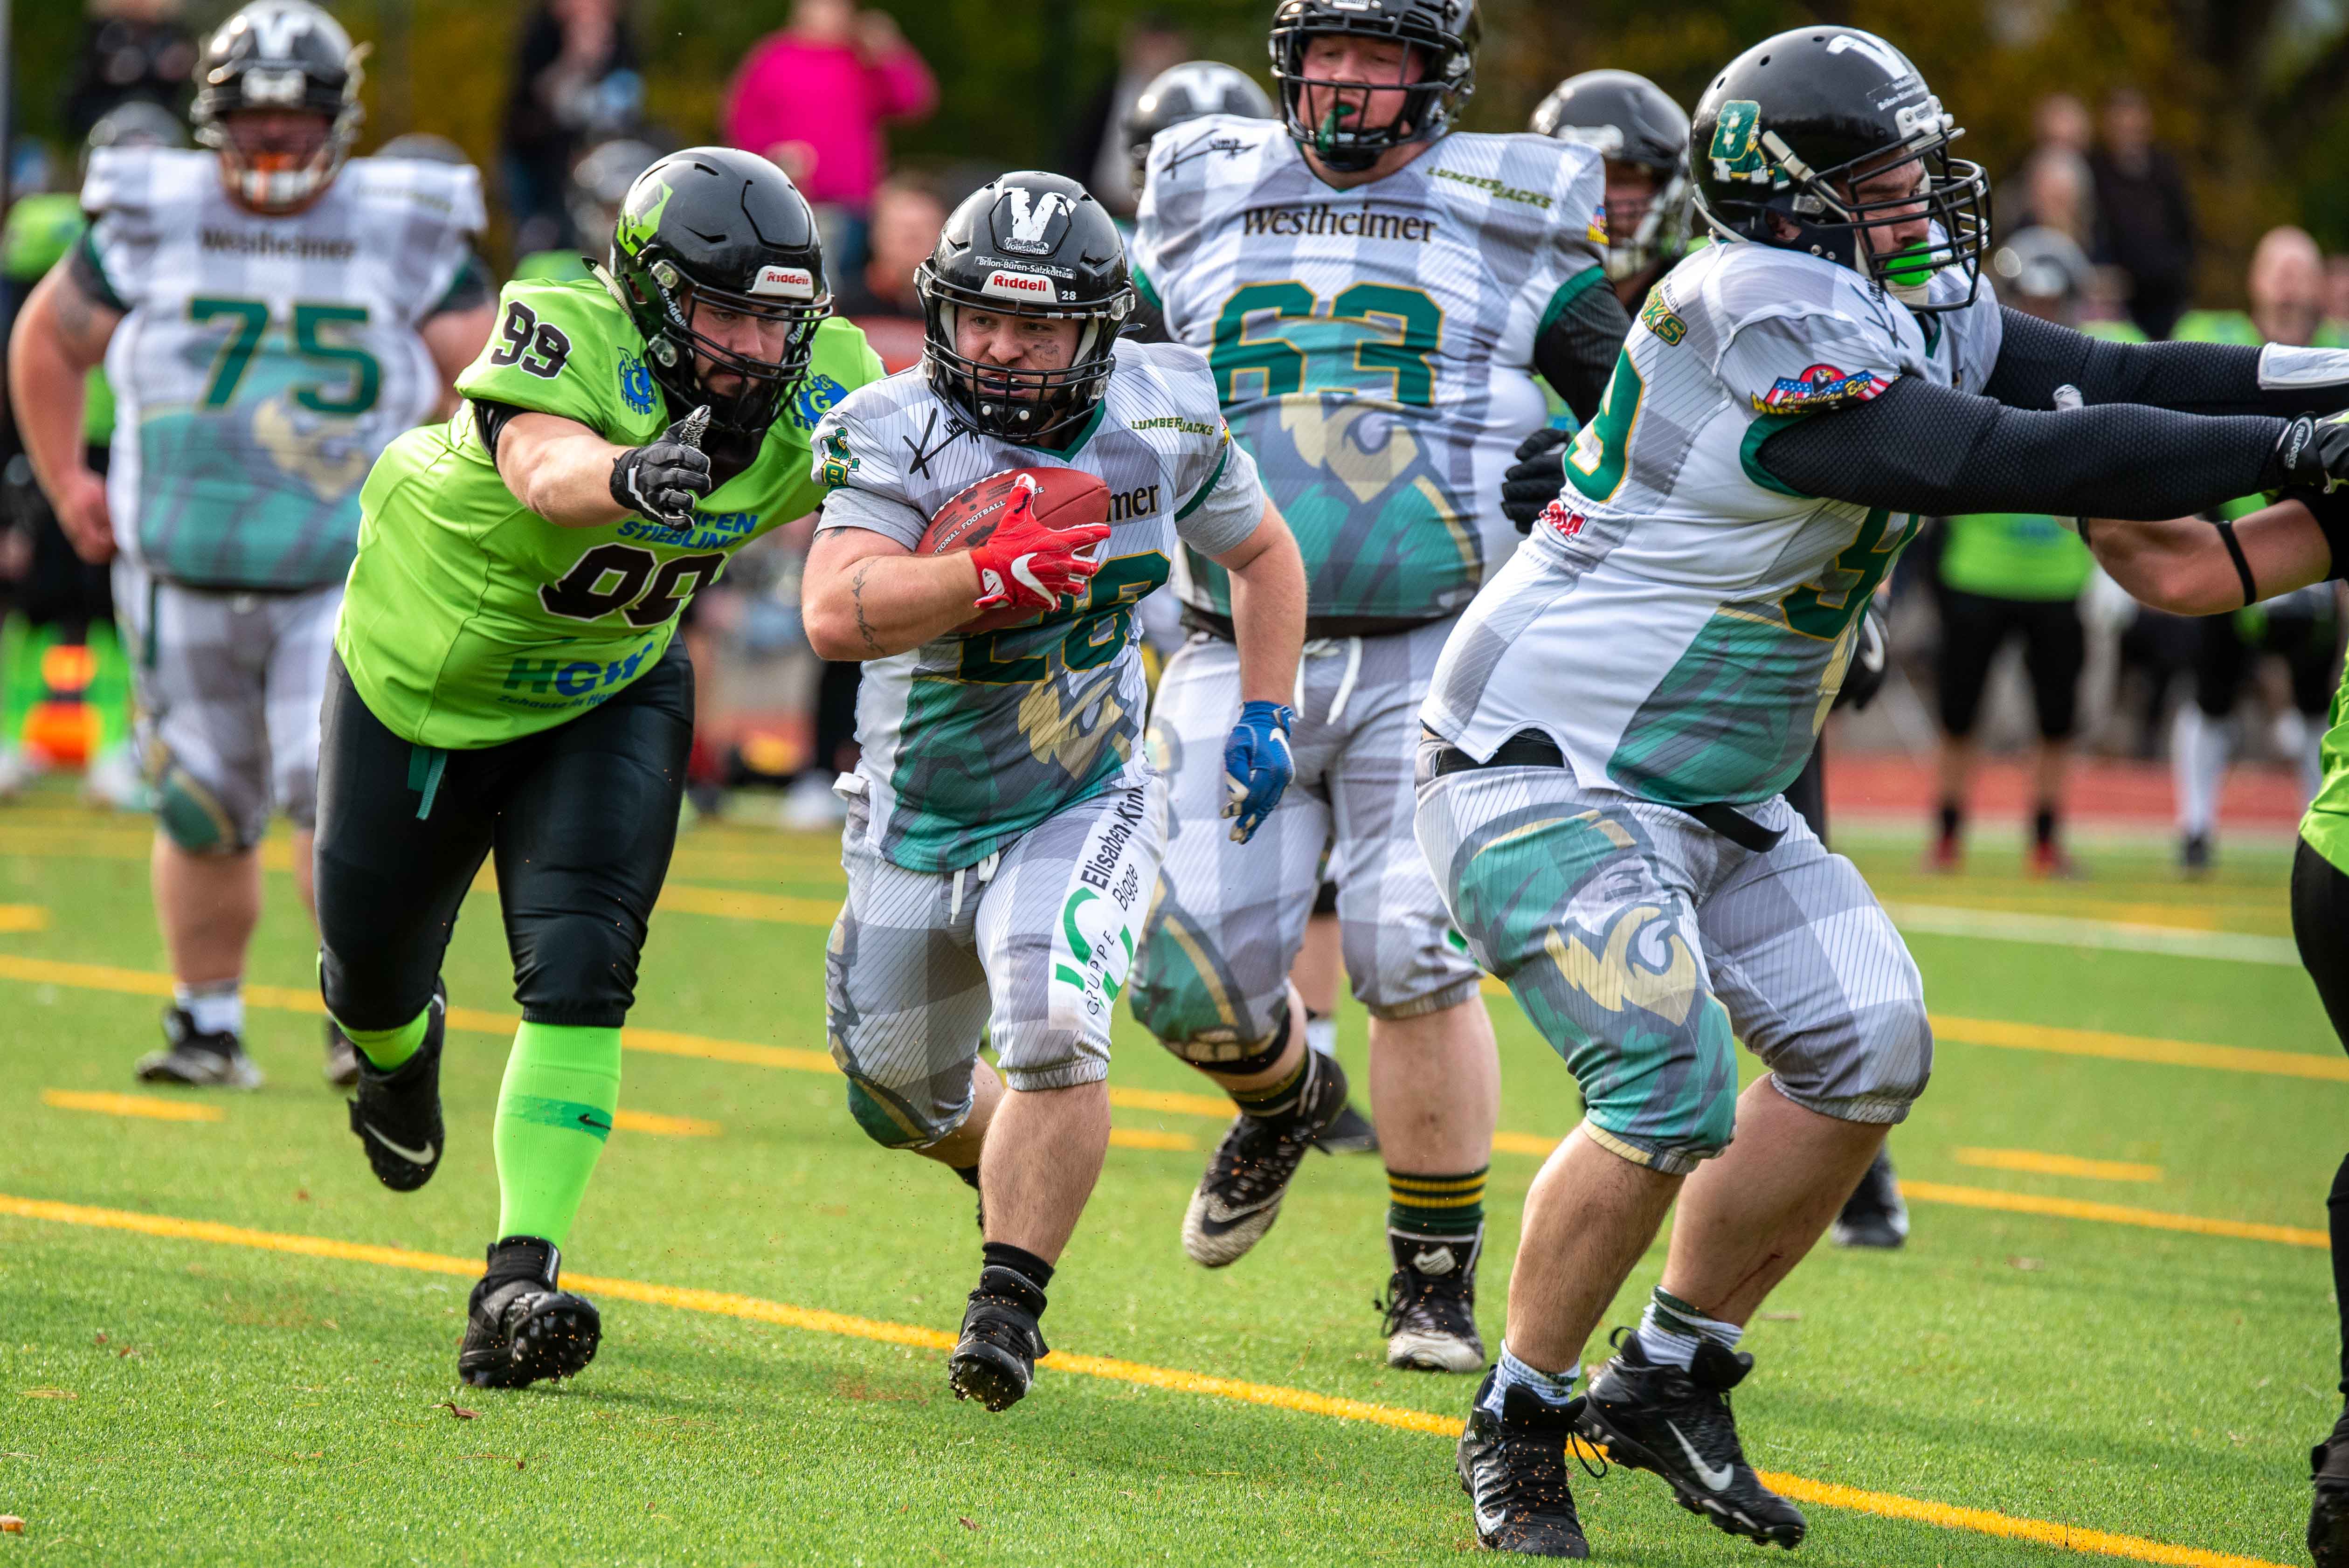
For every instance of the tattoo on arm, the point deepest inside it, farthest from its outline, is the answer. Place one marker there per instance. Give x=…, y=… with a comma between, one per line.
x=863, y=626
x=83, y=324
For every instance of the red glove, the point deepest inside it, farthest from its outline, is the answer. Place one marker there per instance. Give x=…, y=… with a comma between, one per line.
x=1023, y=562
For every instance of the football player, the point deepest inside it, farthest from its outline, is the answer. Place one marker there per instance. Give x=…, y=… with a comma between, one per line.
x=2216, y=566
x=1380, y=297
x=270, y=319
x=1615, y=717
x=1643, y=135
x=1004, y=828
x=506, y=681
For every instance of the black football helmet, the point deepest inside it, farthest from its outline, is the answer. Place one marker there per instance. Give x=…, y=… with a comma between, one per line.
x=1791, y=123
x=278, y=54
x=714, y=225
x=1626, y=119
x=1030, y=244
x=1444, y=32
x=1191, y=90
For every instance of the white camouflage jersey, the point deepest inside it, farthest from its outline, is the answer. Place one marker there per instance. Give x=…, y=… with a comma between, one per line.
x=265, y=361
x=1372, y=347
x=1680, y=621
x=969, y=742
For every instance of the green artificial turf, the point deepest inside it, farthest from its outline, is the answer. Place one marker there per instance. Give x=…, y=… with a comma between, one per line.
x=230, y=1404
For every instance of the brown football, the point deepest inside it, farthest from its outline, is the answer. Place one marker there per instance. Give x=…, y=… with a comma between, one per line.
x=1065, y=497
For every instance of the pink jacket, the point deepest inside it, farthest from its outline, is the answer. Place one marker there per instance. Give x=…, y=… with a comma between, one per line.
x=828, y=103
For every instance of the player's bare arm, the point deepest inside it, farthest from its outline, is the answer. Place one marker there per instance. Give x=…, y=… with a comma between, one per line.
x=1268, y=608
x=2183, y=564
x=865, y=596
x=561, y=470
x=60, y=336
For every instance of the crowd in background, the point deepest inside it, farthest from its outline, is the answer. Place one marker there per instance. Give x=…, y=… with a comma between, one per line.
x=2097, y=226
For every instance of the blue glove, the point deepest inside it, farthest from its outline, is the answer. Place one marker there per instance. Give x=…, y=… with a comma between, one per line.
x=1257, y=766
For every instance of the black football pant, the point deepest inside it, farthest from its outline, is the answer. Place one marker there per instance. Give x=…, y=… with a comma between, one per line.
x=2320, y=924
x=582, y=818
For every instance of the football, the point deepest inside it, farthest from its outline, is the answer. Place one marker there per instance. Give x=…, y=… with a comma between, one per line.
x=1065, y=497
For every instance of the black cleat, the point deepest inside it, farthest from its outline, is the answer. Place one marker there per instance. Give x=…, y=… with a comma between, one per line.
x=2328, y=1509
x=1874, y=1215
x=342, y=1064
x=1513, y=1468
x=1239, y=1196
x=519, y=1328
x=1350, y=1133
x=2194, y=855
x=1679, y=1425
x=995, y=1361
x=1430, y=1302
x=199, y=1060
x=396, y=1115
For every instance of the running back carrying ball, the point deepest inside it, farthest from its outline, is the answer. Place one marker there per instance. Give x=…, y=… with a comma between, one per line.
x=1002, y=517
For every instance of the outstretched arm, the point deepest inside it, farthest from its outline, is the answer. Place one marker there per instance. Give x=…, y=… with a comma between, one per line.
x=2036, y=356
x=2184, y=566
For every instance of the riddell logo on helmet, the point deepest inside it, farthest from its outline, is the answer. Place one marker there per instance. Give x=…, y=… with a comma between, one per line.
x=792, y=283
x=1001, y=284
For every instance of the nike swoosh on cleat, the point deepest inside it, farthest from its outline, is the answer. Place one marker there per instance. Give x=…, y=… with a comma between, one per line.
x=1490, y=1523
x=1219, y=1213
x=1714, y=1480
x=413, y=1156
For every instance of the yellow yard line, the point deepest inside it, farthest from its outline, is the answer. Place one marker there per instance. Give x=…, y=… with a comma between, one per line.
x=726, y=1304
x=2007, y=1036
x=2040, y=1164
x=736, y=904
x=2109, y=1213
x=1524, y=1143
x=23, y=917
x=152, y=1108
x=1173, y=1100
x=1148, y=1137
x=665, y=1126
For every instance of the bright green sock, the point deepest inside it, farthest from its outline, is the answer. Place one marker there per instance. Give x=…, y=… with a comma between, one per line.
x=563, y=1085
x=387, y=1048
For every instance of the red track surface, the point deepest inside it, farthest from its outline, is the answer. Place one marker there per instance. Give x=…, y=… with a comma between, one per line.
x=2133, y=794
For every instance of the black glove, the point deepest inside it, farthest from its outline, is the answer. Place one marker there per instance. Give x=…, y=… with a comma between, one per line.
x=1534, y=481
x=662, y=478
x=1870, y=659
x=2313, y=451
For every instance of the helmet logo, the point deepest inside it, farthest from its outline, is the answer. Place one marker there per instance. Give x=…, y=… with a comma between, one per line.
x=1873, y=48
x=1001, y=284
x=1032, y=215
x=276, y=31
x=1735, y=154
x=1605, y=140
x=792, y=283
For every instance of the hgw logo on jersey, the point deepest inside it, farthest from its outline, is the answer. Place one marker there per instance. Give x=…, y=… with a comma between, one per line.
x=1820, y=387
x=635, y=383
x=815, y=399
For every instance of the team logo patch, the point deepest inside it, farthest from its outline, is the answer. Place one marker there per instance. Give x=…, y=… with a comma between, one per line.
x=1031, y=228
x=635, y=383
x=1656, y=316
x=789, y=283
x=1820, y=387
x=816, y=396
x=838, y=464
x=1566, y=524
x=1734, y=152
x=1596, y=231
x=1002, y=284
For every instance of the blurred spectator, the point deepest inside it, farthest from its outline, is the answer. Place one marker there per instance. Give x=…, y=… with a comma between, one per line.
x=2336, y=331
x=2015, y=576
x=1095, y=153
x=2060, y=121
x=593, y=196
x=813, y=97
x=2147, y=218
x=577, y=78
x=130, y=48
x=2059, y=194
x=906, y=217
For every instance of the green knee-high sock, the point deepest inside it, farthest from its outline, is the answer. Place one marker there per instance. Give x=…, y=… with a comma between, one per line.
x=387, y=1048
x=561, y=1086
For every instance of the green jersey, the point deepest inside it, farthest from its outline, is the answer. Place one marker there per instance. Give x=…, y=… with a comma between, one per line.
x=40, y=230
x=470, y=619
x=552, y=267
x=2325, y=825
x=2014, y=555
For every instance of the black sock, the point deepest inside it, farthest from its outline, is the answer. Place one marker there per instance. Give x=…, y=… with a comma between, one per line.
x=2338, y=1206
x=1019, y=1261
x=1281, y=1099
x=2043, y=827
x=968, y=1175
x=1953, y=817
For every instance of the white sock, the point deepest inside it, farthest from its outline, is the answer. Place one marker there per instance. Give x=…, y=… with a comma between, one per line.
x=1549, y=1387
x=216, y=1007
x=1321, y=1034
x=1671, y=1345
x=2303, y=745
x=2199, y=746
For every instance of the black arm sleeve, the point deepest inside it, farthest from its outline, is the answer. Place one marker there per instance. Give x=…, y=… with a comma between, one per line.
x=491, y=419
x=1576, y=354
x=1926, y=448
x=2036, y=356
